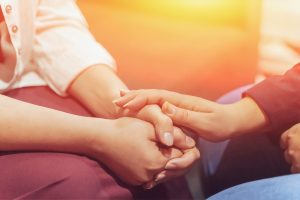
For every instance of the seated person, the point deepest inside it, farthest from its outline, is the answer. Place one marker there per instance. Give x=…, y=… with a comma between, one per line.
x=254, y=124
x=46, y=153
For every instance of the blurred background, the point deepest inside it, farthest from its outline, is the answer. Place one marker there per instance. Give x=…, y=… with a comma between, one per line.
x=199, y=47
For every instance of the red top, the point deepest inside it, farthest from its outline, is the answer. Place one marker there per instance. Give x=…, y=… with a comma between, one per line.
x=279, y=98
x=1, y=16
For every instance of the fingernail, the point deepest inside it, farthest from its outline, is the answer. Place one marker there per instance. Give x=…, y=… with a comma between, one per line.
x=148, y=186
x=168, y=138
x=169, y=109
x=115, y=101
x=170, y=165
x=160, y=177
x=189, y=141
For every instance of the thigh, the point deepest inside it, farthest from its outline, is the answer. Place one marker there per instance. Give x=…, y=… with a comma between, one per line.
x=56, y=176
x=278, y=188
x=108, y=186
x=241, y=159
x=44, y=96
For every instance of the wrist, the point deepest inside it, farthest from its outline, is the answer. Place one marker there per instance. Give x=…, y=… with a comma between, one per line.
x=247, y=117
x=97, y=140
x=96, y=88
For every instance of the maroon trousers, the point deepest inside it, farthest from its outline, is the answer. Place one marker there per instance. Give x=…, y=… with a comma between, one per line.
x=49, y=175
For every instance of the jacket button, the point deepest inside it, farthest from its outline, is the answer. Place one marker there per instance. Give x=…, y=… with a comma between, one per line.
x=14, y=29
x=8, y=9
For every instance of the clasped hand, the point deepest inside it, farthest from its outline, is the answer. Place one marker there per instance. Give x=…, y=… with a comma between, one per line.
x=209, y=120
x=290, y=143
x=176, y=146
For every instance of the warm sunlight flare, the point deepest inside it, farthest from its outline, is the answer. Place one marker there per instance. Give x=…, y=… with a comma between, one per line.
x=200, y=10
x=179, y=40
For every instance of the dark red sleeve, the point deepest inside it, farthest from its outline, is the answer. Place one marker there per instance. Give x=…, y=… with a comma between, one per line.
x=279, y=99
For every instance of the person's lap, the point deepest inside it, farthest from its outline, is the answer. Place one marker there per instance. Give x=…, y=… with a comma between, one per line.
x=45, y=175
x=241, y=159
x=38, y=175
x=225, y=164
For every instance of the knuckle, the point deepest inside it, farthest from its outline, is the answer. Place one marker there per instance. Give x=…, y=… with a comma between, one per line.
x=283, y=138
x=178, y=134
x=166, y=120
x=163, y=120
x=290, y=135
x=144, y=179
x=185, y=116
x=197, y=154
x=176, y=153
x=155, y=162
x=290, y=152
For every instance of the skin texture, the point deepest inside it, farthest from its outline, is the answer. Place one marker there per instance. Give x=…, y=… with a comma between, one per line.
x=210, y=120
x=290, y=143
x=98, y=86
x=110, y=141
x=132, y=166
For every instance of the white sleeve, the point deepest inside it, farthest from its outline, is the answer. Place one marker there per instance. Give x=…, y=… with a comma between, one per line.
x=63, y=45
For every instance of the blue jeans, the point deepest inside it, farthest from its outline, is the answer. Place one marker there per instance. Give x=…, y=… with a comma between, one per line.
x=278, y=188
x=240, y=160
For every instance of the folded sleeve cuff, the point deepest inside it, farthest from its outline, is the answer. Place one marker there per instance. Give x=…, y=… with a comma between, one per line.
x=279, y=98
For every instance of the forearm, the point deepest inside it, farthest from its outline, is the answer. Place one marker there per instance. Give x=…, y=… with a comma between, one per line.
x=279, y=98
x=96, y=88
x=29, y=127
x=246, y=116
x=209, y=119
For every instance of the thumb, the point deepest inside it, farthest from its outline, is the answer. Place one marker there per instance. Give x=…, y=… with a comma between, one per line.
x=181, y=116
x=181, y=140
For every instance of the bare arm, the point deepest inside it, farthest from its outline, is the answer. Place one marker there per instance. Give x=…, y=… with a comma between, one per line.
x=210, y=120
x=270, y=104
x=29, y=127
x=96, y=88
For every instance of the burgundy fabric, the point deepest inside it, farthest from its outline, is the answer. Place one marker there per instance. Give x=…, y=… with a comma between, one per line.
x=1, y=16
x=279, y=98
x=56, y=176
x=48, y=175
